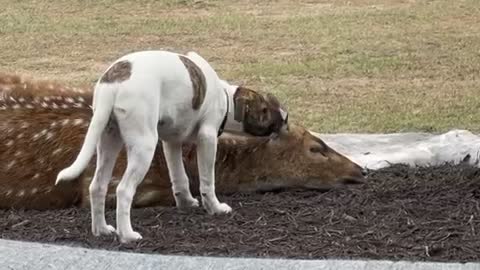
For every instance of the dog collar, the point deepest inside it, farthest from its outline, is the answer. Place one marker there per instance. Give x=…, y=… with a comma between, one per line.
x=222, y=126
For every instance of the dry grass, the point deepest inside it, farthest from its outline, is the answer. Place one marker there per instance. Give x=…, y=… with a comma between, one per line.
x=340, y=66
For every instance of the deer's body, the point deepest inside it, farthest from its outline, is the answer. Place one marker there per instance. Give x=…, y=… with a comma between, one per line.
x=43, y=125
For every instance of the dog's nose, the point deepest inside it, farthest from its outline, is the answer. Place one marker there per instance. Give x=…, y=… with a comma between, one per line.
x=364, y=172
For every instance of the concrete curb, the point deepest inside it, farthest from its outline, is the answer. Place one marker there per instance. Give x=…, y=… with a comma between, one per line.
x=27, y=255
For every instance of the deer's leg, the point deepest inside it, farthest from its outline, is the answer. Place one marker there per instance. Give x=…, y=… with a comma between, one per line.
x=108, y=148
x=178, y=176
x=206, y=154
x=140, y=136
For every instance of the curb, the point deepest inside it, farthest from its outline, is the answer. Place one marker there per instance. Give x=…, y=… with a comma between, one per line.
x=28, y=255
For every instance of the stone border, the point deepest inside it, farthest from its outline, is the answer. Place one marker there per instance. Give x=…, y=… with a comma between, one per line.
x=28, y=255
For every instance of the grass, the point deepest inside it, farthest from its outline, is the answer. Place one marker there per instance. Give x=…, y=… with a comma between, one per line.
x=339, y=66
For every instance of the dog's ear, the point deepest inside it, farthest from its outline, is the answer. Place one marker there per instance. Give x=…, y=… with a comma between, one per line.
x=240, y=109
x=241, y=101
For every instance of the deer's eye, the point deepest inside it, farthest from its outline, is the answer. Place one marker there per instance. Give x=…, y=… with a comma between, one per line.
x=316, y=149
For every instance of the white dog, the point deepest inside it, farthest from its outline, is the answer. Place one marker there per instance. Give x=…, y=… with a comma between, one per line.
x=150, y=95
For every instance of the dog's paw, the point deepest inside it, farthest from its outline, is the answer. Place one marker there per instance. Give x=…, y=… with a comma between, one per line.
x=221, y=208
x=186, y=202
x=103, y=230
x=130, y=237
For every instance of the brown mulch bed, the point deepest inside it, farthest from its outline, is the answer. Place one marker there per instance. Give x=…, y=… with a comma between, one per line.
x=430, y=214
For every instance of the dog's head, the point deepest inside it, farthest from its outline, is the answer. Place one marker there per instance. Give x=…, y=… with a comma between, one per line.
x=260, y=115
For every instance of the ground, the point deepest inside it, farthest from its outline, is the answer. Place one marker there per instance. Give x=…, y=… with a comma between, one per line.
x=426, y=214
x=340, y=66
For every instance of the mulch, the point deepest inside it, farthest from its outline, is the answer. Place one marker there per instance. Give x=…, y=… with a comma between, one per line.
x=425, y=214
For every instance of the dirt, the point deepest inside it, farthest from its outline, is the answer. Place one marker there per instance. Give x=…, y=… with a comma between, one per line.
x=426, y=214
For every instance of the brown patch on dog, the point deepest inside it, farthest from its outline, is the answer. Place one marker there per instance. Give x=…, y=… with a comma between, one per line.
x=199, y=83
x=119, y=72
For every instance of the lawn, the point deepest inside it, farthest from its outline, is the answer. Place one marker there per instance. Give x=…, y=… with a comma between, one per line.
x=340, y=66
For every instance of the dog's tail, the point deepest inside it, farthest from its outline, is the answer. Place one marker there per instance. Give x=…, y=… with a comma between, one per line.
x=105, y=96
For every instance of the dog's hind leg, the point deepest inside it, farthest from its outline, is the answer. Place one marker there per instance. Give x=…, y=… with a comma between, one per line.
x=108, y=147
x=206, y=154
x=140, y=136
x=178, y=176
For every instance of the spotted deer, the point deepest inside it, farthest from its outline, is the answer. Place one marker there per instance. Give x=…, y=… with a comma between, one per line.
x=43, y=125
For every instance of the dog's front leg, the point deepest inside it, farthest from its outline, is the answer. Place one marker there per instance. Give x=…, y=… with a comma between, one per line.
x=206, y=154
x=178, y=176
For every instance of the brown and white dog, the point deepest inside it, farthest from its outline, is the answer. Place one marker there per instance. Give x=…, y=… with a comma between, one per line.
x=148, y=96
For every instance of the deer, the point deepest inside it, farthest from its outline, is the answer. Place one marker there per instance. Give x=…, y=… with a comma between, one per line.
x=43, y=125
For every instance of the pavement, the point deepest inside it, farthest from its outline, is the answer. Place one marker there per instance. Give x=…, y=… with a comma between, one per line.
x=18, y=255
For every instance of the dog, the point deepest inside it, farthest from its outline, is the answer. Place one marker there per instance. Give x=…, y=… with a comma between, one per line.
x=150, y=96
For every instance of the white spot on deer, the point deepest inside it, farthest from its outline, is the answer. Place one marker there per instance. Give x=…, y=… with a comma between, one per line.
x=49, y=135
x=36, y=136
x=78, y=122
x=18, y=153
x=19, y=136
x=33, y=191
x=8, y=192
x=44, y=105
x=25, y=125
x=51, y=86
x=10, y=164
x=56, y=151
x=54, y=105
x=29, y=106
x=36, y=100
x=12, y=99
x=21, y=99
x=16, y=106
x=64, y=106
x=78, y=105
x=21, y=193
x=3, y=108
x=81, y=99
x=65, y=122
x=53, y=124
x=9, y=143
x=70, y=100
x=10, y=130
x=46, y=99
x=37, y=175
